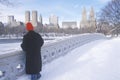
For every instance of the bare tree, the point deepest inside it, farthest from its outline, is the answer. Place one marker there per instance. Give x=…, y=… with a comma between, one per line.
x=111, y=14
x=6, y=2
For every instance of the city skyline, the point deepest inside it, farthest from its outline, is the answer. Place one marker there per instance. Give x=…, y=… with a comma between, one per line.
x=66, y=10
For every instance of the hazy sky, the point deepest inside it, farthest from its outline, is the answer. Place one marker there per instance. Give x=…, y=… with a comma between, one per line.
x=66, y=10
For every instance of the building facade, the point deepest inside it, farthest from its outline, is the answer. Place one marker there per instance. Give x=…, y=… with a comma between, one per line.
x=92, y=21
x=53, y=21
x=40, y=19
x=11, y=19
x=27, y=16
x=34, y=18
x=84, y=22
x=70, y=24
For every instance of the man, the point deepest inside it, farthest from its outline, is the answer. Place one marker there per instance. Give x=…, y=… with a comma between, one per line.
x=32, y=43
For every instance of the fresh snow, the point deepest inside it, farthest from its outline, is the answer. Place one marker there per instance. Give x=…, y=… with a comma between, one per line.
x=98, y=60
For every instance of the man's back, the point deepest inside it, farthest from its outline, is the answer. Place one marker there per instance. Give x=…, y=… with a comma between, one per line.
x=32, y=43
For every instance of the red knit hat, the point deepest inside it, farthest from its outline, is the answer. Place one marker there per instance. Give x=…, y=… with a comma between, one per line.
x=29, y=26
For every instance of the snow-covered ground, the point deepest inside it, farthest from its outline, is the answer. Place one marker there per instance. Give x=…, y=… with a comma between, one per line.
x=98, y=60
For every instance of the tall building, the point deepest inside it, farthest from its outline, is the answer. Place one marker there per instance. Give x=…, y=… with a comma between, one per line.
x=91, y=15
x=40, y=19
x=92, y=22
x=53, y=20
x=88, y=25
x=27, y=16
x=40, y=22
x=84, y=22
x=84, y=15
x=34, y=18
x=10, y=19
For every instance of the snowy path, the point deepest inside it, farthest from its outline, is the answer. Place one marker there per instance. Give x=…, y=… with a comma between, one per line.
x=98, y=60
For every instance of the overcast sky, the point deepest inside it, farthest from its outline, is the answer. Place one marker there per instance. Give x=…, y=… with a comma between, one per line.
x=66, y=10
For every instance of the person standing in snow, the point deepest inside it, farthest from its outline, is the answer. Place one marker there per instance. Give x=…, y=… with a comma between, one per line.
x=32, y=43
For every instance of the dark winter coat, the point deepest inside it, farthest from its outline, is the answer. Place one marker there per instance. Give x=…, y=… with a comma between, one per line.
x=31, y=44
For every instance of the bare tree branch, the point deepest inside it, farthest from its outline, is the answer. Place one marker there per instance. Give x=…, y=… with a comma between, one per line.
x=7, y=2
x=111, y=14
